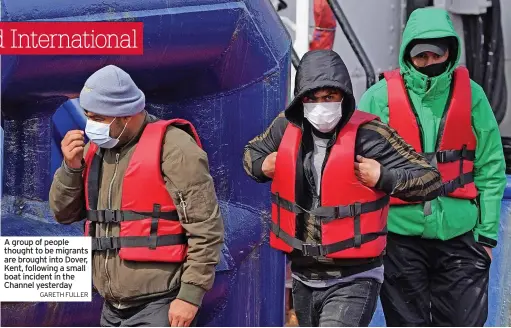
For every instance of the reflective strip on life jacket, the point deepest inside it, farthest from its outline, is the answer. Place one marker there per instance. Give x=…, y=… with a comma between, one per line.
x=353, y=216
x=150, y=229
x=456, y=142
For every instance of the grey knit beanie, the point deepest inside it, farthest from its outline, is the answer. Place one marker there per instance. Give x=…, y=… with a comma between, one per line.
x=110, y=91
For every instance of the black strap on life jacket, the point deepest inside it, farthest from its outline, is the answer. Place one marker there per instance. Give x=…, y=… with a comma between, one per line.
x=152, y=241
x=328, y=214
x=322, y=250
x=459, y=182
x=106, y=243
x=116, y=216
x=448, y=156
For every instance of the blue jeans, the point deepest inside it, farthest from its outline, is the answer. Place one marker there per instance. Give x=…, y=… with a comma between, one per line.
x=350, y=304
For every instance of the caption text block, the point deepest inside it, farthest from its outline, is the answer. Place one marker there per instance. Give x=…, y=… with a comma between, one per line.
x=45, y=269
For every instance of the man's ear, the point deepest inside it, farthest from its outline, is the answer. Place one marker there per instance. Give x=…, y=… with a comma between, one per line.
x=126, y=119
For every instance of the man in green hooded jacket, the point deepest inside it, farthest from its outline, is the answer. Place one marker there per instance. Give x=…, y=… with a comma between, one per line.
x=439, y=252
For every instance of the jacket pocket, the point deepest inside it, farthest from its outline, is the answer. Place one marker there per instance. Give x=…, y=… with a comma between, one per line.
x=477, y=203
x=480, y=250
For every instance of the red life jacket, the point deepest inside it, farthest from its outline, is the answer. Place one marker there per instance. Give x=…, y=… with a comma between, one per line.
x=456, y=143
x=150, y=229
x=354, y=217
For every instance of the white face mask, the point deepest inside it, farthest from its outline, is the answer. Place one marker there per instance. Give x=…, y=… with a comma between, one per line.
x=99, y=133
x=323, y=116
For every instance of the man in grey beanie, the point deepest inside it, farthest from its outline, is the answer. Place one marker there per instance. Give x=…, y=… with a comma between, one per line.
x=143, y=185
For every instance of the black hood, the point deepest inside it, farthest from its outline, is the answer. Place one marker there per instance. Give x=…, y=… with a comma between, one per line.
x=320, y=69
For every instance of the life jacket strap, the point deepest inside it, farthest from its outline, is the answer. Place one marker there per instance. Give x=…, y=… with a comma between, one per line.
x=459, y=182
x=106, y=243
x=116, y=216
x=316, y=250
x=330, y=213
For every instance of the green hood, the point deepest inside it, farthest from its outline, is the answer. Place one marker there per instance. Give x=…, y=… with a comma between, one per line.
x=427, y=23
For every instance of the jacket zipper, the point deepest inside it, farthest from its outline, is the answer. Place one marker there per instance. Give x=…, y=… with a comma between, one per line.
x=183, y=205
x=107, y=228
x=182, y=202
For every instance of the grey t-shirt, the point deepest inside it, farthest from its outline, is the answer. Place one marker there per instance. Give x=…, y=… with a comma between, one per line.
x=318, y=156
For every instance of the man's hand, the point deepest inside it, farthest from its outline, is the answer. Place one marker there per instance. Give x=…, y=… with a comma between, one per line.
x=367, y=171
x=269, y=165
x=72, y=148
x=181, y=313
x=488, y=250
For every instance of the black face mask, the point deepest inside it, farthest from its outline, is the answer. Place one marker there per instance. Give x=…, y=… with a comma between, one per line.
x=433, y=69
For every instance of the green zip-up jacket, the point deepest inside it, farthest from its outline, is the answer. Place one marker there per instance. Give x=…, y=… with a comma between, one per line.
x=450, y=217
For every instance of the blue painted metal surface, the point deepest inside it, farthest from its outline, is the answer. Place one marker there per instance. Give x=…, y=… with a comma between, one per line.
x=223, y=65
x=500, y=273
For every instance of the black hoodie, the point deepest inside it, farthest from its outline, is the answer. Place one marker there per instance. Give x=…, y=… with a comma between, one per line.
x=404, y=173
x=321, y=69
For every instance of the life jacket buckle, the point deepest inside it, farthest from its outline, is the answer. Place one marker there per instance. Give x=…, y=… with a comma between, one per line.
x=441, y=157
x=461, y=180
x=464, y=152
x=110, y=216
x=355, y=210
x=312, y=250
x=104, y=243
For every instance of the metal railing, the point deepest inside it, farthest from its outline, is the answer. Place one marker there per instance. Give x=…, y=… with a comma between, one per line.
x=354, y=42
x=348, y=32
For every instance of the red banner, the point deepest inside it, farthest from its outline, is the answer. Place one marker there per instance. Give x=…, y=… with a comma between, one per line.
x=71, y=38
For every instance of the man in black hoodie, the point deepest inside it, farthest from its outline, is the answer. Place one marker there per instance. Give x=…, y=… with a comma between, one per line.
x=332, y=176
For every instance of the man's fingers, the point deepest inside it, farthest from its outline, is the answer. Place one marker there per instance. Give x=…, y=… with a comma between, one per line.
x=181, y=322
x=75, y=151
x=76, y=143
x=74, y=133
x=71, y=138
x=362, y=167
x=174, y=321
x=365, y=160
